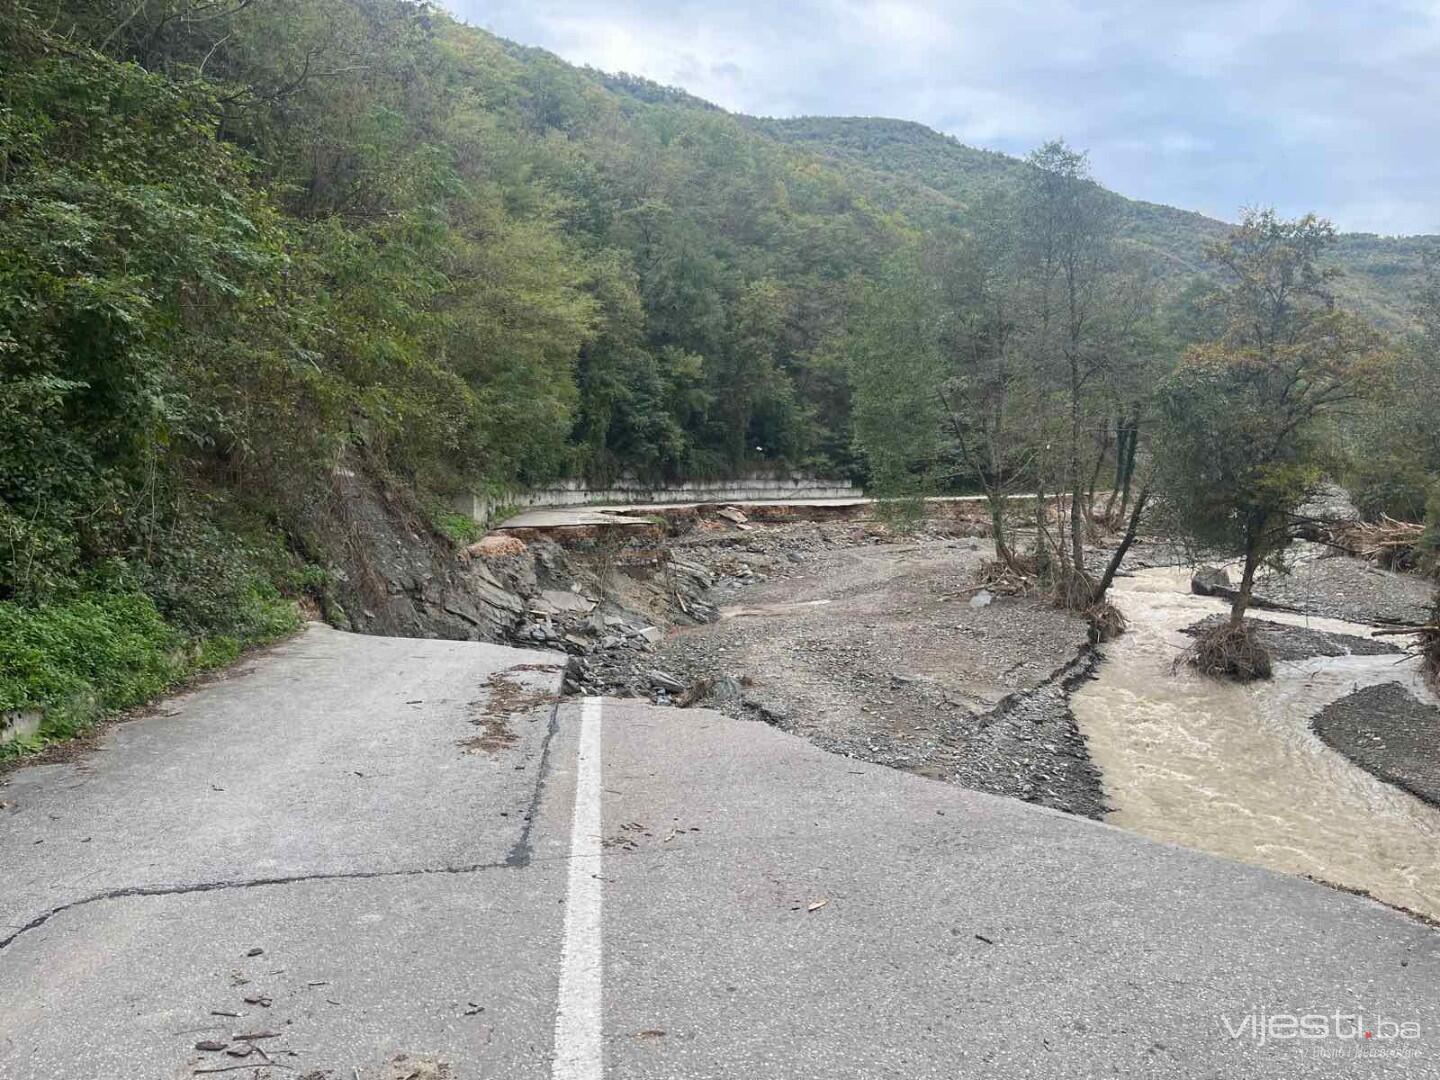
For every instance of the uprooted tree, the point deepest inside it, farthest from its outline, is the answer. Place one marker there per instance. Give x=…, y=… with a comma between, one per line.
x=1241, y=447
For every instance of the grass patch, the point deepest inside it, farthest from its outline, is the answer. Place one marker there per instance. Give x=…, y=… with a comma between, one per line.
x=73, y=662
x=460, y=529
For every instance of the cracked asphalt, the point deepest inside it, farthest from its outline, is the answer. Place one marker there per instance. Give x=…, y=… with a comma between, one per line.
x=321, y=846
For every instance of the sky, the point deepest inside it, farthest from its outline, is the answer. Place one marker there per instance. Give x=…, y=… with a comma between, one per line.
x=1209, y=105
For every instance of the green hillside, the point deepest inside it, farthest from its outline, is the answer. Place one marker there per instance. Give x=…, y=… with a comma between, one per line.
x=918, y=167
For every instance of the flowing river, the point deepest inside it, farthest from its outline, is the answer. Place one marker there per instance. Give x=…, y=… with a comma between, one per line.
x=1236, y=770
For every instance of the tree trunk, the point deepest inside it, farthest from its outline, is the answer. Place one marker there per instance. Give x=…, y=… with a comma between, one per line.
x=1128, y=539
x=1077, y=491
x=1121, y=435
x=997, y=530
x=1045, y=547
x=1243, y=594
x=1102, y=449
x=1132, y=440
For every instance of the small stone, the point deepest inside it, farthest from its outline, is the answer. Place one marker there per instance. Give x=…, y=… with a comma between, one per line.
x=663, y=681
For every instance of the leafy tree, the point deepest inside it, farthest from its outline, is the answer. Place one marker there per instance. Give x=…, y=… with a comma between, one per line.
x=1394, y=445
x=1067, y=252
x=897, y=372
x=132, y=243
x=1242, y=441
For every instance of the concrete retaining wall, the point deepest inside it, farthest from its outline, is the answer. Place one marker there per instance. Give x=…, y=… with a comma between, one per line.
x=487, y=510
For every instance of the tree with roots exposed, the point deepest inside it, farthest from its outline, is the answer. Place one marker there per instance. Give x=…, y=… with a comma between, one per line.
x=1240, y=447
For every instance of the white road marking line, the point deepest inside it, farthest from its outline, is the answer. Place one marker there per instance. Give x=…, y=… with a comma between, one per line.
x=578, y=1017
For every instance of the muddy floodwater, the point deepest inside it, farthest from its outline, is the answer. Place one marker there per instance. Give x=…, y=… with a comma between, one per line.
x=1236, y=770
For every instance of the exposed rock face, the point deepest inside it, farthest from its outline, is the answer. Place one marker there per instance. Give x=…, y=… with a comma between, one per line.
x=392, y=574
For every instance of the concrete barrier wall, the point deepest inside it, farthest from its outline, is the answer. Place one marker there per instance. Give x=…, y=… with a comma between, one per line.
x=486, y=509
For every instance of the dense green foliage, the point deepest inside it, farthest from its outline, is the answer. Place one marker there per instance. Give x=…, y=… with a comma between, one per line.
x=932, y=177
x=1394, y=449
x=1243, y=437
x=1016, y=356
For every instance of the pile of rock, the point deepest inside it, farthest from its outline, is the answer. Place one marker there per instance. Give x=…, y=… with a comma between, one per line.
x=624, y=669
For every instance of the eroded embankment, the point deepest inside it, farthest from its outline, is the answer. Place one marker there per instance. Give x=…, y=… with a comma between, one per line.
x=881, y=648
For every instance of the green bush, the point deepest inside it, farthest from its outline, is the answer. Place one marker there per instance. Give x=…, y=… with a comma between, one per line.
x=211, y=580
x=1391, y=485
x=460, y=529
x=1430, y=541
x=73, y=661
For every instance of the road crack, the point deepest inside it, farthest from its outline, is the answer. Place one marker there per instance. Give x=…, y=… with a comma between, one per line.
x=520, y=855
x=247, y=883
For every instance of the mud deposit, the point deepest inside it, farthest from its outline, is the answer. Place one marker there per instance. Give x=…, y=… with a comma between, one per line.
x=887, y=652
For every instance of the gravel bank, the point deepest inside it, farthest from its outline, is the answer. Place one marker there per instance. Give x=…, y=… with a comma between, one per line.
x=884, y=650
x=1390, y=734
x=1340, y=587
x=1285, y=642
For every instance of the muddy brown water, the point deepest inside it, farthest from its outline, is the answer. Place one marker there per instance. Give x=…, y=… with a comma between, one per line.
x=1236, y=770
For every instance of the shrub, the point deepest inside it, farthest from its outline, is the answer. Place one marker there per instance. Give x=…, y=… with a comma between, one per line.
x=460, y=529
x=76, y=660
x=73, y=661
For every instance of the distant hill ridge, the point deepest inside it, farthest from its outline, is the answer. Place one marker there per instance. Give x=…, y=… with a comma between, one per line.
x=920, y=171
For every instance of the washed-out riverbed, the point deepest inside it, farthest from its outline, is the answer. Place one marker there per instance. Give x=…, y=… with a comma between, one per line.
x=1236, y=770
x=883, y=648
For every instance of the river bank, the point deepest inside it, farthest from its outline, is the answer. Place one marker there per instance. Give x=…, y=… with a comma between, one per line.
x=1391, y=733
x=881, y=647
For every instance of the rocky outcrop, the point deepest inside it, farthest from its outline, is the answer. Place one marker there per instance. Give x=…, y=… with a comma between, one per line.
x=391, y=573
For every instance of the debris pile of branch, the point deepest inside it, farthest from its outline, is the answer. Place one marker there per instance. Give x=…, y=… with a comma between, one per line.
x=1427, y=643
x=1229, y=652
x=997, y=577
x=1387, y=542
x=1071, y=588
x=1106, y=622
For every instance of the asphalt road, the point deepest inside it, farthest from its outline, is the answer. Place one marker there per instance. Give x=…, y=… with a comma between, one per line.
x=550, y=517
x=447, y=875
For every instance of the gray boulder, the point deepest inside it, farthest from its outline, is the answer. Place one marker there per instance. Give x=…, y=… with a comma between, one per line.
x=1210, y=581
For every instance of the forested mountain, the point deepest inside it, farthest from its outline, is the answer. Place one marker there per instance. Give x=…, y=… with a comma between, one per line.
x=248, y=247
x=922, y=169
